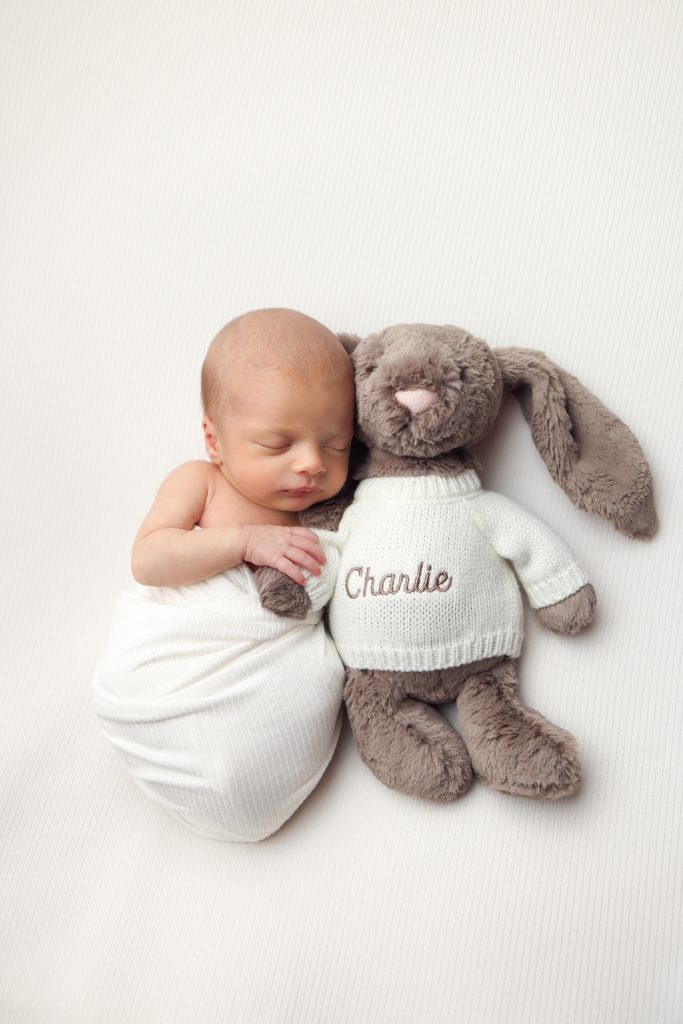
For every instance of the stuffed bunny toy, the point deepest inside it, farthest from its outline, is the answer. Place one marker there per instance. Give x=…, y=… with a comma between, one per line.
x=424, y=565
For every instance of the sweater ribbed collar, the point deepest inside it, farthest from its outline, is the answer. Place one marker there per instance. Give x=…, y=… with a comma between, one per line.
x=418, y=487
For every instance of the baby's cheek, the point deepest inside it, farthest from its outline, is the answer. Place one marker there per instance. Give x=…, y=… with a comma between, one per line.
x=338, y=474
x=257, y=478
x=270, y=476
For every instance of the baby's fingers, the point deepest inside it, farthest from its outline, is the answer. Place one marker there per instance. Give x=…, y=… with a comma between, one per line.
x=290, y=569
x=307, y=541
x=303, y=559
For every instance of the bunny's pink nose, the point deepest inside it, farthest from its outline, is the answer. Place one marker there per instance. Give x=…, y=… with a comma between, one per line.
x=416, y=399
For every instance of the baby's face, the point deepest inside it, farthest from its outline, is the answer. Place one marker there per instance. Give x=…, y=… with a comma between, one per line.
x=288, y=445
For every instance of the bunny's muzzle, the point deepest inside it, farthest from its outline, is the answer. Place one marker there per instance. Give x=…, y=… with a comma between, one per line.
x=416, y=399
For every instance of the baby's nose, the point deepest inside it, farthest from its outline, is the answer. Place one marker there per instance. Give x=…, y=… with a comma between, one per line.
x=310, y=460
x=416, y=399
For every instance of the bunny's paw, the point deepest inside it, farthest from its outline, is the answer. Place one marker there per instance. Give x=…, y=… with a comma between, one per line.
x=572, y=614
x=281, y=595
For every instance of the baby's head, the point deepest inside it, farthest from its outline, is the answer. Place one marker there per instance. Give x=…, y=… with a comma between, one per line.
x=278, y=403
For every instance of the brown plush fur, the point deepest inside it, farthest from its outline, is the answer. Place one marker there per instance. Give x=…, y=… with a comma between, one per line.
x=280, y=594
x=571, y=615
x=589, y=452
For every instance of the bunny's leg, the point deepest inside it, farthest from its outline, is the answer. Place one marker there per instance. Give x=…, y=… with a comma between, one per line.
x=407, y=744
x=512, y=747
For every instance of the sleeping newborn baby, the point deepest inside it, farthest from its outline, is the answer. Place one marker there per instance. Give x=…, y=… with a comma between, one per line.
x=225, y=713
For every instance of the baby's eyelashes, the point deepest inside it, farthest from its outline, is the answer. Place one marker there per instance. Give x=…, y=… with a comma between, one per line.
x=338, y=444
x=282, y=446
x=278, y=442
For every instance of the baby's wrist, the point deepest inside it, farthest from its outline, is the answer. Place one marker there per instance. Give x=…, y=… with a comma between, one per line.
x=244, y=536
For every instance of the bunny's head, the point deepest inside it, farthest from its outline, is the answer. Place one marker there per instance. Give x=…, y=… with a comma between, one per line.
x=425, y=392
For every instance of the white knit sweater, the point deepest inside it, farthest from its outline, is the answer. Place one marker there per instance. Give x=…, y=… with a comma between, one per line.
x=420, y=573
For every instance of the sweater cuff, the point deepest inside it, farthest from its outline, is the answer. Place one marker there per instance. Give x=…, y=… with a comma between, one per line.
x=556, y=588
x=320, y=588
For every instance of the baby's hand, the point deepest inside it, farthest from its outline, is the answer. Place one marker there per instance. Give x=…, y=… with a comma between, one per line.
x=284, y=548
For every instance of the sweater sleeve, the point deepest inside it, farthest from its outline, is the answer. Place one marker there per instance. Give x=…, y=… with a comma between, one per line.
x=544, y=564
x=320, y=588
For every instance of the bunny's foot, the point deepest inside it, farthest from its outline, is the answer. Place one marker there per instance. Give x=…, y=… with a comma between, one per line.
x=408, y=745
x=512, y=747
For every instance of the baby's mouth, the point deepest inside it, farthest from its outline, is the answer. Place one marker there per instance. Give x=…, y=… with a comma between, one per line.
x=301, y=491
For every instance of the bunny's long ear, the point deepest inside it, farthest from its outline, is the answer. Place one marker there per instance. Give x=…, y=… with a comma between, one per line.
x=589, y=452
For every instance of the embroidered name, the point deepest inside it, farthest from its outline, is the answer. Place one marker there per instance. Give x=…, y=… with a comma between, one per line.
x=360, y=583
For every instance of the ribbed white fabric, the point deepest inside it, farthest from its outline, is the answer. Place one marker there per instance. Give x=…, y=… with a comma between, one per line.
x=423, y=580
x=224, y=713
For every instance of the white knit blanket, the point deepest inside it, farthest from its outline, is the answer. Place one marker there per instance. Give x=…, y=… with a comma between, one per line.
x=224, y=714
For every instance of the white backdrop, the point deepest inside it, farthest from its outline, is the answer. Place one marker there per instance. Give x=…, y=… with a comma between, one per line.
x=512, y=168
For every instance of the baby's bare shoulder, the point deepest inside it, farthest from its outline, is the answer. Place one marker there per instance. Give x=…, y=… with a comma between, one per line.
x=181, y=499
x=196, y=473
x=197, y=467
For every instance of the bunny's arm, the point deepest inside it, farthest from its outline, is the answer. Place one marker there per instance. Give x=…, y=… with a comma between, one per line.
x=320, y=588
x=281, y=595
x=556, y=585
x=278, y=592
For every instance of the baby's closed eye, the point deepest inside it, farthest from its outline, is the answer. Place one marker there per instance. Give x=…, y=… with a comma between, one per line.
x=276, y=444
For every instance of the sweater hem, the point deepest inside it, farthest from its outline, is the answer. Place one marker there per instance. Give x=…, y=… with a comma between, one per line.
x=426, y=659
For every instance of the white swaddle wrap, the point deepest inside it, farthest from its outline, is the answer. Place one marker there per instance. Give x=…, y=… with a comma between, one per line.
x=225, y=714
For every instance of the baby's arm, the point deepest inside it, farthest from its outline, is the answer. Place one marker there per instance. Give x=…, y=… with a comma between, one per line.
x=167, y=552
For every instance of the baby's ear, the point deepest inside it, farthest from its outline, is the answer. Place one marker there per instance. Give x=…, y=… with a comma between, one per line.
x=349, y=341
x=588, y=450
